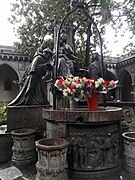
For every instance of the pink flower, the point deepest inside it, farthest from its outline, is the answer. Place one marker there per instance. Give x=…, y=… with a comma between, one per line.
x=60, y=81
x=73, y=86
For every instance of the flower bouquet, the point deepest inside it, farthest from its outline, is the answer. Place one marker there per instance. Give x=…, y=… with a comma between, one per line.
x=78, y=87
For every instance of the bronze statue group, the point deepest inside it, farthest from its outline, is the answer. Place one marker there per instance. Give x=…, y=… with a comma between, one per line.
x=41, y=69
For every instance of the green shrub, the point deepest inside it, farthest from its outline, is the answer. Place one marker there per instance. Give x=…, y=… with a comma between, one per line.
x=3, y=112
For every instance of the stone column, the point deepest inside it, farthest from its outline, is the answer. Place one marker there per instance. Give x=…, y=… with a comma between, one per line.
x=118, y=93
x=133, y=92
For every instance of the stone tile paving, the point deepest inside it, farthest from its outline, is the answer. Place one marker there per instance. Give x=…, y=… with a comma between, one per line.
x=29, y=173
x=9, y=172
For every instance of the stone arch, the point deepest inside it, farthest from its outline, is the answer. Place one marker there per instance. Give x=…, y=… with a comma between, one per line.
x=134, y=79
x=125, y=80
x=12, y=66
x=8, y=89
x=110, y=76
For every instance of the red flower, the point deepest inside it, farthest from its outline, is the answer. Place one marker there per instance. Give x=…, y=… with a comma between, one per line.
x=60, y=81
x=106, y=83
x=91, y=79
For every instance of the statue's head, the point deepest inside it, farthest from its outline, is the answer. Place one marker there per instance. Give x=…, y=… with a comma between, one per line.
x=95, y=57
x=47, y=53
x=63, y=36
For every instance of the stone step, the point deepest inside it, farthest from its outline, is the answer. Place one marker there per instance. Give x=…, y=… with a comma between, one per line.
x=11, y=173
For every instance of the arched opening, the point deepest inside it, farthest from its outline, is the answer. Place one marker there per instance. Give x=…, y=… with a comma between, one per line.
x=126, y=83
x=8, y=89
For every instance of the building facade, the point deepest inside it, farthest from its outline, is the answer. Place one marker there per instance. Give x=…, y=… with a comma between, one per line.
x=12, y=68
x=13, y=65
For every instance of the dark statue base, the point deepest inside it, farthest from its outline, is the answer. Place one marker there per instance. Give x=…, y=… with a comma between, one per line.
x=95, y=140
x=29, y=116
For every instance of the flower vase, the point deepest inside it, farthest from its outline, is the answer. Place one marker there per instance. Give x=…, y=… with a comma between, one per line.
x=73, y=104
x=92, y=102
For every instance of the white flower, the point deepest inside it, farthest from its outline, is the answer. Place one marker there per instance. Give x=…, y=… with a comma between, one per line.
x=76, y=78
x=78, y=86
x=65, y=93
x=101, y=80
x=82, y=91
x=104, y=91
x=97, y=84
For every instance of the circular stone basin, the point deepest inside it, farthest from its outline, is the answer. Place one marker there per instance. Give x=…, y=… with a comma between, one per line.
x=103, y=114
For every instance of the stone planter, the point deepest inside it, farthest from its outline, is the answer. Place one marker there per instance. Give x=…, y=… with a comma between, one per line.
x=129, y=151
x=24, y=150
x=52, y=162
x=5, y=147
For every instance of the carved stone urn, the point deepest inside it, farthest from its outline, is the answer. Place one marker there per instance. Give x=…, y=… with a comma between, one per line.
x=24, y=149
x=52, y=159
x=129, y=151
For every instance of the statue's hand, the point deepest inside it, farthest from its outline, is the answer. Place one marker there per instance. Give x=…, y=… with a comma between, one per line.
x=49, y=67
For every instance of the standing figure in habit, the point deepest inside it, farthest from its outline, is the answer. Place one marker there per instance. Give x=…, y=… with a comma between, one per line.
x=95, y=66
x=33, y=89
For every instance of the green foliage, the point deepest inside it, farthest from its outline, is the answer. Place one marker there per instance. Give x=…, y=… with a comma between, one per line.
x=3, y=112
x=124, y=14
x=36, y=19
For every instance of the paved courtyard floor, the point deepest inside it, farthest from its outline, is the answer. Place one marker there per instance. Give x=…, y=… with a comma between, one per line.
x=9, y=172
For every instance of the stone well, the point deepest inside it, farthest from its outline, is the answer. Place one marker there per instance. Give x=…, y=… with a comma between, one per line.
x=94, y=136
